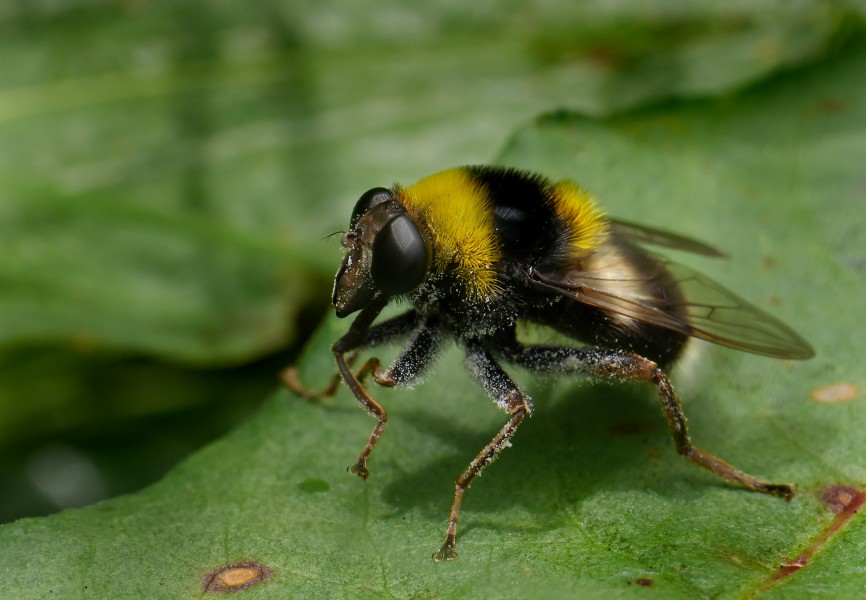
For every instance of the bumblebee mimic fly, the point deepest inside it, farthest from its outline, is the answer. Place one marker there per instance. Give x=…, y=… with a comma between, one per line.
x=475, y=249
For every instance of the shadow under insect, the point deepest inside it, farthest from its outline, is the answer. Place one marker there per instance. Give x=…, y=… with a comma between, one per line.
x=581, y=438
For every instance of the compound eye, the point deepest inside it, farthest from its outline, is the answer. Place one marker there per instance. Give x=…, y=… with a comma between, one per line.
x=399, y=257
x=368, y=200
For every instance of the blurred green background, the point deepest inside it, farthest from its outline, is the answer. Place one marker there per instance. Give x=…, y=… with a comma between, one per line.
x=170, y=172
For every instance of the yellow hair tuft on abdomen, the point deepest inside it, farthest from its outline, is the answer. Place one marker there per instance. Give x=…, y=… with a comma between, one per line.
x=587, y=224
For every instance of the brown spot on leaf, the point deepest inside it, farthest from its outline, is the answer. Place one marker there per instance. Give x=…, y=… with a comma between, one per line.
x=850, y=500
x=644, y=581
x=832, y=105
x=236, y=577
x=769, y=262
x=833, y=394
x=838, y=497
x=608, y=58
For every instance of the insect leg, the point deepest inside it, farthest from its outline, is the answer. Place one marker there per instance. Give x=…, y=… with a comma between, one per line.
x=388, y=331
x=289, y=378
x=624, y=365
x=499, y=386
x=408, y=366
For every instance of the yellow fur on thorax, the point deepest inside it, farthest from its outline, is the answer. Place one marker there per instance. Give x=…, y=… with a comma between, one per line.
x=587, y=224
x=456, y=211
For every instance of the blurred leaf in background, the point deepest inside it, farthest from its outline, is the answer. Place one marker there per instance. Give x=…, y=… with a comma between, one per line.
x=168, y=171
x=166, y=166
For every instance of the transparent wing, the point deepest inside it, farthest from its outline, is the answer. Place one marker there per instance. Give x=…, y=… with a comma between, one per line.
x=639, y=234
x=707, y=309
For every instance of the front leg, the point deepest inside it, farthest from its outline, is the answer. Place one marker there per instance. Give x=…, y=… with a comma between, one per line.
x=408, y=366
x=499, y=386
x=393, y=329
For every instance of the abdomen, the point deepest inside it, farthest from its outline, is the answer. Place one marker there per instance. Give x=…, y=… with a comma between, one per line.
x=625, y=272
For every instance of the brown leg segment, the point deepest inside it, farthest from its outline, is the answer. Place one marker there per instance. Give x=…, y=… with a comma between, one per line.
x=410, y=364
x=484, y=458
x=289, y=378
x=631, y=367
x=360, y=335
x=370, y=405
x=676, y=418
x=505, y=392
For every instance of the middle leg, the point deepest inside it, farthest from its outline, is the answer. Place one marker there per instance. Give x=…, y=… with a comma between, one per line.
x=499, y=386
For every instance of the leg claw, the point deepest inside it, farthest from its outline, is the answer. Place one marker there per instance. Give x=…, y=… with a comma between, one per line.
x=446, y=552
x=784, y=490
x=359, y=469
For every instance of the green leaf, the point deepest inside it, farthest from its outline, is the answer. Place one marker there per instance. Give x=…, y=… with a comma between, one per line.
x=592, y=500
x=168, y=169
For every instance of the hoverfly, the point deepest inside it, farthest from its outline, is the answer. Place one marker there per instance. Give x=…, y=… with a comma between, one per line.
x=475, y=249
